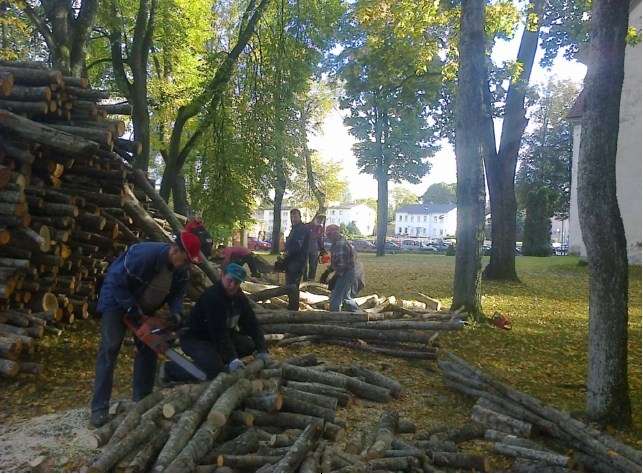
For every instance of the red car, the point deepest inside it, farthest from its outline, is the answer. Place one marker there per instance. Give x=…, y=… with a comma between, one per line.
x=255, y=244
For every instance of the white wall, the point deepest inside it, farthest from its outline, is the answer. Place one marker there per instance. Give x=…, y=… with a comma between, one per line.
x=361, y=214
x=628, y=157
x=415, y=225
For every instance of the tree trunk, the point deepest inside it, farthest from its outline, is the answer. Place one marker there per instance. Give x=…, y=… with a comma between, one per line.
x=471, y=148
x=180, y=195
x=276, y=218
x=600, y=218
x=382, y=209
x=501, y=167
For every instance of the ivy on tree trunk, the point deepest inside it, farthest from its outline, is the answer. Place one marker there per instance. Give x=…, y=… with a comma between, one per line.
x=600, y=217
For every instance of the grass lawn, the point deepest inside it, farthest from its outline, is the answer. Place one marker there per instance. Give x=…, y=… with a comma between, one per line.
x=544, y=354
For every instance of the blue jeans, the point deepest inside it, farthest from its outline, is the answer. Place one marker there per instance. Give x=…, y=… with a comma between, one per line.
x=112, y=332
x=341, y=295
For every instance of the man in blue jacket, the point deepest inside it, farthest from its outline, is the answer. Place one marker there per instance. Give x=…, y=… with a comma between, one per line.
x=221, y=329
x=144, y=278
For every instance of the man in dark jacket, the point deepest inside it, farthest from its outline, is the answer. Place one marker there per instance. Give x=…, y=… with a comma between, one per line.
x=296, y=255
x=222, y=328
x=140, y=281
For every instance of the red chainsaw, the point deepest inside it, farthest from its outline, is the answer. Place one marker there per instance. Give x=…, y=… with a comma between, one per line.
x=156, y=334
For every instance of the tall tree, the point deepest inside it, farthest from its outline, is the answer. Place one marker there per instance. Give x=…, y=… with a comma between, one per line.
x=600, y=218
x=440, y=193
x=138, y=50
x=500, y=167
x=210, y=96
x=389, y=97
x=473, y=142
x=65, y=26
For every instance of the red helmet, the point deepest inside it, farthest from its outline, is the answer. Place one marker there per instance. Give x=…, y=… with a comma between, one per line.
x=191, y=244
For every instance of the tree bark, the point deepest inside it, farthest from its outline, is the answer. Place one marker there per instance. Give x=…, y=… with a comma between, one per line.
x=600, y=218
x=280, y=189
x=471, y=148
x=382, y=209
x=501, y=167
x=296, y=454
x=343, y=396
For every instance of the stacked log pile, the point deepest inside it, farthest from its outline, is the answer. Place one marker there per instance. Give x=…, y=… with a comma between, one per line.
x=280, y=418
x=510, y=417
x=69, y=201
x=383, y=327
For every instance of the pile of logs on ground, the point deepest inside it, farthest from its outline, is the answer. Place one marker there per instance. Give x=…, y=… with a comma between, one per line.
x=70, y=203
x=273, y=419
x=510, y=417
x=387, y=326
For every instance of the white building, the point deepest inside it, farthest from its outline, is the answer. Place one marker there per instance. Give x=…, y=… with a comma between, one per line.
x=426, y=220
x=264, y=221
x=628, y=155
x=361, y=215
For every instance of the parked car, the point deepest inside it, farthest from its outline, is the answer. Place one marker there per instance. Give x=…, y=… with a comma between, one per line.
x=256, y=244
x=409, y=244
x=429, y=247
x=391, y=246
x=362, y=245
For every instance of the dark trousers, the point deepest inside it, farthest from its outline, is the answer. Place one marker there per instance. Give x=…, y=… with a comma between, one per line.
x=206, y=356
x=313, y=259
x=112, y=332
x=249, y=260
x=294, y=272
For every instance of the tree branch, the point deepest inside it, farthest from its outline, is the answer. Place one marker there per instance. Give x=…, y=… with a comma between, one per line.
x=40, y=25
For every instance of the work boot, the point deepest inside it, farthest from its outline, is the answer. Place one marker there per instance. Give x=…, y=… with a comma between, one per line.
x=98, y=418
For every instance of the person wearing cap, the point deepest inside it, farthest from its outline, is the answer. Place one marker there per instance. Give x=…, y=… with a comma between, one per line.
x=343, y=265
x=315, y=246
x=240, y=255
x=221, y=329
x=139, y=282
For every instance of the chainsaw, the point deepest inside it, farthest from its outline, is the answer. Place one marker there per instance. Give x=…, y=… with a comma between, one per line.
x=155, y=333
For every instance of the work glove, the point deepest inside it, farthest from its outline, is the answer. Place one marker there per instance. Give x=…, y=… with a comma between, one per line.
x=236, y=364
x=264, y=357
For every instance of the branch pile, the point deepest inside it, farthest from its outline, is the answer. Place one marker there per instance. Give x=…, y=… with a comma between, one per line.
x=510, y=417
x=277, y=419
x=70, y=203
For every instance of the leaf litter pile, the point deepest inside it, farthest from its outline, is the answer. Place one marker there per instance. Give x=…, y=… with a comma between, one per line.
x=535, y=357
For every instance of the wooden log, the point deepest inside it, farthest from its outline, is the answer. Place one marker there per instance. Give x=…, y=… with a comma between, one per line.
x=20, y=107
x=343, y=396
x=245, y=443
x=385, y=434
x=26, y=93
x=377, y=378
x=190, y=420
x=296, y=454
x=102, y=136
x=527, y=453
x=402, y=351
x=500, y=422
x=129, y=146
x=39, y=133
x=245, y=462
x=297, y=405
x=295, y=420
x=182, y=400
x=324, y=401
x=396, y=464
x=10, y=348
x=500, y=437
x=406, y=426
x=6, y=83
x=268, y=402
x=114, y=452
x=122, y=108
x=144, y=458
x=84, y=93
x=529, y=465
x=359, y=388
x=133, y=417
x=437, y=445
x=19, y=153
x=306, y=360
x=466, y=432
x=9, y=368
x=459, y=461
x=101, y=436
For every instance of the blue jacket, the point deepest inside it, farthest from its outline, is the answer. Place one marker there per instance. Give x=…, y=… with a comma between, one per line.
x=128, y=276
x=297, y=245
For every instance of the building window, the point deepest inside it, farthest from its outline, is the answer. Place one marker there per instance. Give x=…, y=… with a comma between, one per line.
x=412, y=218
x=406, y=230
x=424, y=218
x=399, y=230
x=441, y=232
x=406, y=218
x=442, y=217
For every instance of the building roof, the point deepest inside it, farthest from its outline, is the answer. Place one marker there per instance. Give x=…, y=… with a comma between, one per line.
x=426, y=208
x=576, y=112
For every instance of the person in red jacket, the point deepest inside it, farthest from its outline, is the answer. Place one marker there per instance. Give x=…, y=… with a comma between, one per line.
x=239, y=255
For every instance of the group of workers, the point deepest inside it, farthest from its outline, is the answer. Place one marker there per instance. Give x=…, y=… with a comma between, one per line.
x=222, y=327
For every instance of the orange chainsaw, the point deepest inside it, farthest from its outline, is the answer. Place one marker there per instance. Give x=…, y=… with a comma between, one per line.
x=156, y=334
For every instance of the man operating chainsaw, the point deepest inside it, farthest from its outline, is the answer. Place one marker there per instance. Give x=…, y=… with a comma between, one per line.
x=142, y=279
x=221, y=329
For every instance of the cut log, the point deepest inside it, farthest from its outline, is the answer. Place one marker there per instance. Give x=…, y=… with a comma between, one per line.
x=377, y=378
x=307, y=360
x=19, y=107
x=396, y=464
x=293, y=404
x=350, y=333
x=246, y=443
x=295, y=420
x=311, y=462
x=296, y=454
x=500, y=422
x=343, y=396
x=144, y=458
x=38, y=133
x=182, y=400
x=9, y=368
x=133, y=417
x=268, y=402
x=314, y=398
x=245, y=462
x=527, y=453
x=385, y=434
x=406, y=426
x=459, y=461
x=123, y=108
x=114, y=452
x=30, y=93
